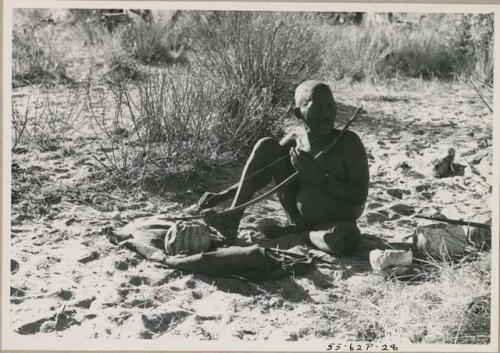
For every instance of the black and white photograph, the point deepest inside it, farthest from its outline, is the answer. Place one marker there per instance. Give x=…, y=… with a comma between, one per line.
x=230, y=177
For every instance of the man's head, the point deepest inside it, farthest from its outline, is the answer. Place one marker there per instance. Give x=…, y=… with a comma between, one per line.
x=314, y=104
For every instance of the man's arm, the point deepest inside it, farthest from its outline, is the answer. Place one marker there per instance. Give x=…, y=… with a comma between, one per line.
x=355, y=190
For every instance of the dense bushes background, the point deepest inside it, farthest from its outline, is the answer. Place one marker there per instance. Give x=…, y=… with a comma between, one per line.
x=194, y=87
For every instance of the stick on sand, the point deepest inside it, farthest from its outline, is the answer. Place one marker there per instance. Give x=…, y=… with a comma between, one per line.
x=456, y=222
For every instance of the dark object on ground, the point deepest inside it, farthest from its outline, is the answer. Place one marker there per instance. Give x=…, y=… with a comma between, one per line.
x=457, y=222
x=441, y=242
x=146, y=238
x=251, y=262
x=479, y=237
x=14, y=266
x=446, y=168
x=477, y=234
x=94, y=255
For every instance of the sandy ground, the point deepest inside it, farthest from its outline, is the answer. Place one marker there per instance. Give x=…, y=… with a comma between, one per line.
x=61, y=205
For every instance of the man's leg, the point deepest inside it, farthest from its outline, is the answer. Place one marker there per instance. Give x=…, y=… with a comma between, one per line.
x=335, y=229
x=266, y=151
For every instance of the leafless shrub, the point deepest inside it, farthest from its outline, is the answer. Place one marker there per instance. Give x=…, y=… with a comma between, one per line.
x=168, y=123
x=46, y=114
x=484, y=90
x=19, y=122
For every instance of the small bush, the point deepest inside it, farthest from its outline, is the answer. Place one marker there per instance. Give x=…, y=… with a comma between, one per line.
x=38, y=49
x=168, y=123
x=473, y=38
x=437, y=46
x=46, y=115
x=150, y=42
x=275, y=51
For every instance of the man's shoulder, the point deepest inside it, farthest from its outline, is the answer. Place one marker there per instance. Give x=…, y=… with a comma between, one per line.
x=350, y=142
x=349, y=136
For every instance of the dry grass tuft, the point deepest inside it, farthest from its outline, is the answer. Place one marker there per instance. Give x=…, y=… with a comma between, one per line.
x=257, y=50
x=450, y=306
x=426, y=49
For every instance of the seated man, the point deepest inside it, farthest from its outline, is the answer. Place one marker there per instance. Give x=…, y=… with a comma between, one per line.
x=328, y=196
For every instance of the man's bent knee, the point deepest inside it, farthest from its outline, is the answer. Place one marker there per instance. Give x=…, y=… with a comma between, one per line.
x=267, y=144
x=341, y=238
x=267, y=147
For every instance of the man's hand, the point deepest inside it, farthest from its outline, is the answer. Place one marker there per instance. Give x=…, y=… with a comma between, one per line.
x=305, y=164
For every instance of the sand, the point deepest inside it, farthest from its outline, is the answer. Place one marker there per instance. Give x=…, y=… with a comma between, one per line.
x=70, y=281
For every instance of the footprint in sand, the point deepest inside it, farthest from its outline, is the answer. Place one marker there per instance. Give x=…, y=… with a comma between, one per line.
x=397, y=193
x=402, y=209
x=57, y=322
x=16, y=295
x=14, y=266
x=120, y=318
x=65, y=294
x=373, y=205
x=85, y=303
x=139, y=281
x=380, y=216
x=121, y=265
x=164, y=319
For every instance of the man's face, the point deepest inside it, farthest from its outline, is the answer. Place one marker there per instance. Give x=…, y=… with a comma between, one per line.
x=319, y=115
x=316, y=107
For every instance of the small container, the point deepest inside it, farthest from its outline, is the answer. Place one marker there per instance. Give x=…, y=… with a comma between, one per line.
x=381, y=260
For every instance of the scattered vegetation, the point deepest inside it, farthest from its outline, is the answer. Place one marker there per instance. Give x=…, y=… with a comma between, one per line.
x=46, y=114
x=426, y=312
x=169, y=123
x=38, y=54
x=424, y=49
x=173, y=97
x=151, y=42
x=238, y=72
x=257, y=50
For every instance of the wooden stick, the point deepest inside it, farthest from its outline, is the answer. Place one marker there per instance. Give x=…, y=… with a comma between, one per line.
x=277, y=187
x=456, y=222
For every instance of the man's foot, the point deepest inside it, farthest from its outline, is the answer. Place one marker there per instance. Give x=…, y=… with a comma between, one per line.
x=337, y=238
x=209, y=200
x=226, y=224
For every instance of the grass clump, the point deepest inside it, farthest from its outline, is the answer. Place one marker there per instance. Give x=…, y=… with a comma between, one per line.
x=437, y=46
x=39, y=48
x=170, y=123
x=46, y=115
x=150, y=42
x=385, y=310
x=275, y=51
